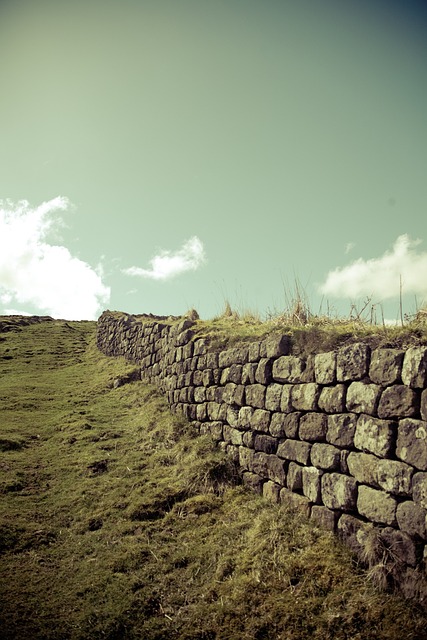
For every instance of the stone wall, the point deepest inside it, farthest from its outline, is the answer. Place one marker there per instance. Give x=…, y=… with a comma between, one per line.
x=341, y=435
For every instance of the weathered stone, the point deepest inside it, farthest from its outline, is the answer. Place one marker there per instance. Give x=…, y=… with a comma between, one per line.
x=402, y=548
x=295, y=502
x=199, y=394
x=201, y=412
x=376, y=506
x=211, y=360
x=263, y=371
x=253, y=352
x=294, y=450
x=332, y=399
x=355, y=533
x=255, y=395
x=411, y=444
x=286, y=402
x=363, y=467
x=343, y=461
x=200, y=347
x=277, y=425
x=234, y=374
x=245, y=417
x=246, y=457
x=341, y=429
x=304, y=396
x=411, y=518
x=324, y=518
x=271, y=491
x=363, y=398
x=228, y=394
x=325, y=366
x=260, y=420
x=275, y=346
x=265, y=443
x=398, y=401
x=423, y=407
x=419, y=489
x=291, y=424
x=313, y=426
x=249, y=439
x=260, y=464
x=232, y=416
x=232, y=452
x=236, y=355
x=325, y=456
x=414, y=370
x=386, y=366
x=395, y=477
x=375, y=435
x=294, y=477
x=232, y=435
x=252, y=481
x=273, y=396
x=184, y=337
x=215, y=429
x=276, y=469
x=311, y=483
x=288, y=369
x=338, y=491
x=213, y=409
x=248, y=373
x=352, y=362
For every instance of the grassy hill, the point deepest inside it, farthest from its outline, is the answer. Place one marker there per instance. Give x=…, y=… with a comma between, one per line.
x=117, y=522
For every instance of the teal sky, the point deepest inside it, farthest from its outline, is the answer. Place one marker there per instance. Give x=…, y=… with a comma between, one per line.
x=245, y=143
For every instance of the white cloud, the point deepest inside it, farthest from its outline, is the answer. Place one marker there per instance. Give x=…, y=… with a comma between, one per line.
x=380, y=277
x=349, y=246
x=169, y=264
x=36, y=273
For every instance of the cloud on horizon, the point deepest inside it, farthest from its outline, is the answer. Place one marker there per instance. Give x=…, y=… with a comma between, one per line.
x=34, y=272
x=380, y=277
x=167, y=264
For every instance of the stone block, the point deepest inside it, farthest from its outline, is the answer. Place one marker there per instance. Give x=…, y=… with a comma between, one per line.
x=199, y=394
x=363, y=467
x=246, y=458
x=355, y=533
x=341, y=429
x=276, y=470
x=376, y=506
x=313, y=426
x=255, y=395
x=419, y=489
x=213, y=410
x=252, y=481
x=294, y=450
x=275, y=346
x=234, y=374
x=232, y=435
x=311, y=483
x=304, y=396
x=260, y=420
x=294, y=477
x=273, y=396
x=325, y=367
x=375, y=435
x=411, y=444
x=271, y=491
x=352, y=362
x=265, y=443
x=363, y=397
x=338, y=491
x=253, y=352
x=232, y=416
x=332, y=399
x=212, y=361
x=423, y=407
x=260, y=464
x=245, y=417
x=414, y=370
x=295, y=502
x=398, y=401
x=395, y=477
x=411, y=518
x=235, y=355
x=263, y=371
x=325, y=456
x=288, y=369
x=248, y=373
x=386, y=366
x=201, y=412
x=286, y=399
x=277, y=425
x=249, y=439
x=232, y=452
x=324, y=518
x=291, y=424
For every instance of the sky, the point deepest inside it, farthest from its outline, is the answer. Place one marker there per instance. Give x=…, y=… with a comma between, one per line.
x=162, y=155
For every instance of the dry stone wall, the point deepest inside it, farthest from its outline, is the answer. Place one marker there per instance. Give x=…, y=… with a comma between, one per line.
x=340, y=435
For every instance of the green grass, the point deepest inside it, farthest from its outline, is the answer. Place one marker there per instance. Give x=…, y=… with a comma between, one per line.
x=116, y=521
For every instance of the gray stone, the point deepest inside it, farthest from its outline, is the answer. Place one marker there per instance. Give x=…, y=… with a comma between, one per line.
x=273, y=396
x=276, y=470
x=304, y=396
x=332, y=399
x=352, y=362
x=338, y=491
x=236, y=355
x=294, y=477
x=253, y=353
x=232, y=435
x=249, y=439
x=398, y=401
x=411, y=518
x=341, y=429
x=325, y=366
x=255, y=395
x=232, y=416
x=260, y=420
x=414, y=370
x=294, y=450
x=376, y=506
x=275, y=346
x=265, y=443
x=295, y=502
x=423, y=407
x=355, y=533
x=199, y=394
x=325, y=456
x=419, y=489
x=324, y=518
x=234, y=374
x=245, y=417
x=260, y=464
x=411, y=444
x=246, y=458
x=228, y=394
x=252, y=481
x=285, y=401
x=386, y=366
x=277, y=425
x=363, y=467
x=362, y=397
x=375, y=435
x=288, y=369
x=248, y=373
x=271, y=491
x=291, y=424
x=313, y=426
x=311, y=483
x=263, y=371
x=395, y=477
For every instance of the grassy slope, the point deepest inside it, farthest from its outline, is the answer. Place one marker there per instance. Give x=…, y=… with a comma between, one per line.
x=116, y=522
